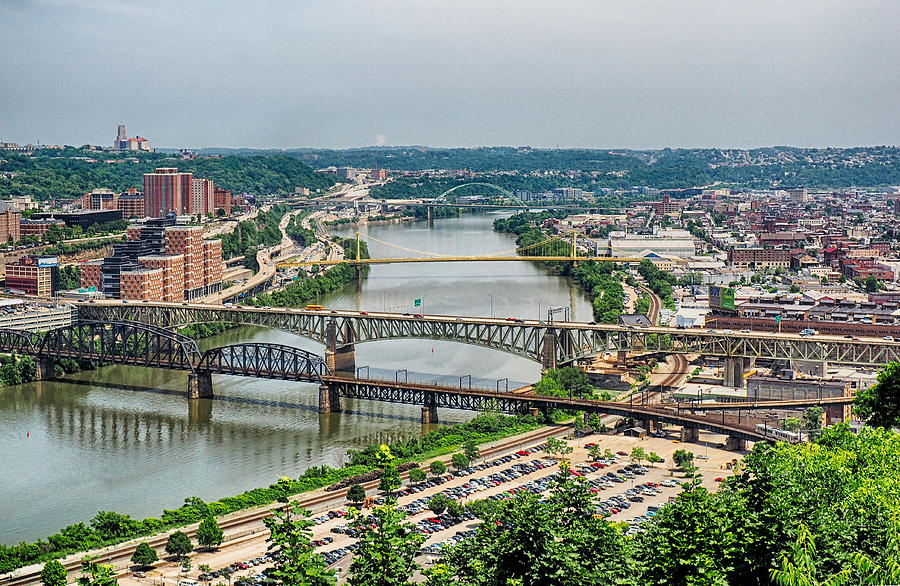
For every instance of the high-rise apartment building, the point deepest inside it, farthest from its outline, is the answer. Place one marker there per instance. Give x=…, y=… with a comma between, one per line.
x=166, y=191
x=191, y=266
x=9, y=223
x=188, y=241
x=202, y=196
x=142, y=284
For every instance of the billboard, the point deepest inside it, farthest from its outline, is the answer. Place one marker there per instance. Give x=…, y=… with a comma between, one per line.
x=721, y=297
x=48, y=261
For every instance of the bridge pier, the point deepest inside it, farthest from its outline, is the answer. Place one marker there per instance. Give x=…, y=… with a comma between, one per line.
x=429, y=409
x=690, y=434
x=329, y=399
x=621, y=358
x=200, y=385
x=44, y=368
x=735, y=444
x=646, y=424
x=548, y=351
x=342, y=361
x=430, y=216
x=735, y=367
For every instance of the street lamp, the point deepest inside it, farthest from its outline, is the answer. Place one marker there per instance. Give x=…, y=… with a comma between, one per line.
x=492, y=305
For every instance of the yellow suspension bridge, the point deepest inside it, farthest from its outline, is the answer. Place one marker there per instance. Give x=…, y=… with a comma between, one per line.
x=556, y=248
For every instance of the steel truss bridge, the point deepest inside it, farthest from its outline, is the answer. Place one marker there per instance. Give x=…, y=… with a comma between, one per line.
x=135, y=343
x=550, y=344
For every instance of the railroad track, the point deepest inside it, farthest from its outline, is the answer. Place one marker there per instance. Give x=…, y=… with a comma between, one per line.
x=243, y=526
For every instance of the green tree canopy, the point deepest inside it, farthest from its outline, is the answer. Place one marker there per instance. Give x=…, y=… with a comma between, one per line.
x=209, y=534
x=179, y=544
x=144, y=555
x=54, y=574
x=386, y=554
x=879, y=405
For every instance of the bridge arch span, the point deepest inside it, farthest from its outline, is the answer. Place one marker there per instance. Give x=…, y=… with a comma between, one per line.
x=121, y=342
x=20, y=341
x=442, y=197
x=264, y=360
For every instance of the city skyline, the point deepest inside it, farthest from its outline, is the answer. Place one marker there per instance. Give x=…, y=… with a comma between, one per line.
x=580, y=75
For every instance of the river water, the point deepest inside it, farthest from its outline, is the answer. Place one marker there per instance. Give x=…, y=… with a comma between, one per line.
x=125, y=439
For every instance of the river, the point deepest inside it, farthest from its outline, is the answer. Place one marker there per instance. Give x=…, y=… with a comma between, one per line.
x=125, y=439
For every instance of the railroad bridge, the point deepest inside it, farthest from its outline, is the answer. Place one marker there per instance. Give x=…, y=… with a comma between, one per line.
x=135, y=343
x=549, y=344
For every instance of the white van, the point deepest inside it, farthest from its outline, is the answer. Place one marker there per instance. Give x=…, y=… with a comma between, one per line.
x=188, y=582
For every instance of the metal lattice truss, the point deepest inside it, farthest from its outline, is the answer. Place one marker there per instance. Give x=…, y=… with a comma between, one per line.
x=264, y=361
x=20, y=341
x=121, y=342
x=480, y=400
x=569, y=341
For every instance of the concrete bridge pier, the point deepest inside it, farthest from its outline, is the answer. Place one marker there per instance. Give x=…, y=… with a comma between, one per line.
x=43, y=368
x=646, y=424
x=690, y=434
x=429, y=410
x=340, y=360
x=329, y=399
x=548, y=350
x=430, y=216
x=735, y=444
x=200, y=385
x=735, y=368
x=621, y=358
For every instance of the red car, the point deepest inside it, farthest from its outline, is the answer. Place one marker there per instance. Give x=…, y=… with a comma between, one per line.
x=719, y=479
x=622, y=453
x=589, y=445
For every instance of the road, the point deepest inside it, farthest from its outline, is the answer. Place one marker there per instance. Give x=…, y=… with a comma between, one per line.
x=266, y=266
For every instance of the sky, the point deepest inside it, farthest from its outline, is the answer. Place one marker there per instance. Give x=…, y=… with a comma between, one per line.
x=351, y=73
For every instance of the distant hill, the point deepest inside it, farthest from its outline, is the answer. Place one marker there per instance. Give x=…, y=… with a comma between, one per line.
x=71, y=172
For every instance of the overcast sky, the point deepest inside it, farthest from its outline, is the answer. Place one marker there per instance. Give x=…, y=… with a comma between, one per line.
x=344, y=73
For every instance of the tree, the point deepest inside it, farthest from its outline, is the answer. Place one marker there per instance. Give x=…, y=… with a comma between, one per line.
x=186, y=565
x=386, y=554
x=791, y=424
x=684, y=460
x=227, y=572
x=390, y=480
x=812, y=421
x=578, y=425
x=54, y=574
x=595, y=452
x=179, y=544
x=460, y=461
x=798, y=568
x=296, y=563
x=417, y=475
x=356, y=493
x=94, y=574
x=209, y=534
x=455, y=509
x=558, y=447
x=595, y=423
x=470, y=449
x=437, y=467
x=879, y=405
x=608, y=454
x=638, y=455
x=144, y=555
x=438, y=503
x=654, y=458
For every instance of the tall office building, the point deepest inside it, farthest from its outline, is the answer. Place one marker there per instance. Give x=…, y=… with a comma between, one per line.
x=166, y=191
x=120, y=136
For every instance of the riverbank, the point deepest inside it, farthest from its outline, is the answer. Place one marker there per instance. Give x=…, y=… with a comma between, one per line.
x=109, y=528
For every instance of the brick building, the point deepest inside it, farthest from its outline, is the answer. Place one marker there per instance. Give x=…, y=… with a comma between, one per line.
x=213, y=266
x=92, y=274
x=188, y=241
x=166, y=191
x=10, y=217
x=221, y=200
x=172, y=266
x=132, y=205
x=33, y=276
x=142, y=284
x=757, y=258
x=28, y=227
x=100, y=199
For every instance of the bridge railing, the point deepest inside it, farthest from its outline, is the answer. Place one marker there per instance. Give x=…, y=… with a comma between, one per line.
x=464, y=381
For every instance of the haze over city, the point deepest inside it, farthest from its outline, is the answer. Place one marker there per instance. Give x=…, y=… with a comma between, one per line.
x=573, y=74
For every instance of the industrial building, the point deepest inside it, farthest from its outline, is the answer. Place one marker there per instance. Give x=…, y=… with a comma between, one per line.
x=665, y=242
x=33, y=276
